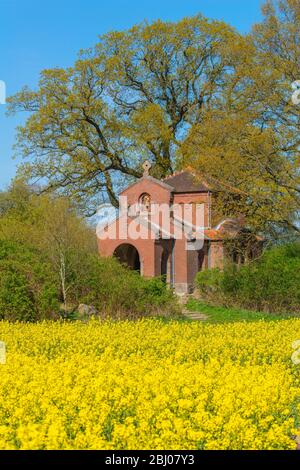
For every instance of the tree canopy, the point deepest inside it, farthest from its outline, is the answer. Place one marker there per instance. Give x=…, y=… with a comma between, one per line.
x=192, y=93
x=251, y=142
x=134, y=95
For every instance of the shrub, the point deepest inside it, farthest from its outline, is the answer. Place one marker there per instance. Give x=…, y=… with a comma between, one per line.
x=209, y=281
x=49, y=265
x=270, y=283
x=30, y=290
x=118, y=291
x=27, y=286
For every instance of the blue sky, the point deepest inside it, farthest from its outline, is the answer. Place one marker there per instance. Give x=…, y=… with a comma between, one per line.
x=36, y=34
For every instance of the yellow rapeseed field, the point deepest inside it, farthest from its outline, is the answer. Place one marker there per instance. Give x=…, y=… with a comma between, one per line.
x=149, y=385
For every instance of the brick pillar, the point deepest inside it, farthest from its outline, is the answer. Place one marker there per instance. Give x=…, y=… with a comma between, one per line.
x=180, y=267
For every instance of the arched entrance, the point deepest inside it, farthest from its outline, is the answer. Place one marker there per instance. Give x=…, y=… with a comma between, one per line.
x=128, y=254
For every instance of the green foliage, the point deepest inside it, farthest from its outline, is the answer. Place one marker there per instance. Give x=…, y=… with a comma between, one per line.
x=220, y=314
x=208, y=281
x=49, y=265
x=134, y=95
x=248, y=141
x=188, y=93
x=270, y=283
x=118, y=291
x=28, y=289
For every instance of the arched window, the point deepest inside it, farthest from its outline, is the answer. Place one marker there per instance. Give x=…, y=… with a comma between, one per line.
x=145, y=201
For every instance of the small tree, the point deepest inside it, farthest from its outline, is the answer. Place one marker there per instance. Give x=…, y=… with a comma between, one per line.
x=53, y=226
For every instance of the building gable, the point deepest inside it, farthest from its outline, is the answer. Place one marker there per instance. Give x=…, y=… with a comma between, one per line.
x=158, y=191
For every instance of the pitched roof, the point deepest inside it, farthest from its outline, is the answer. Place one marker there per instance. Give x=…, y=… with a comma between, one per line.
x=151, y=179
x=185, y=182
x=213, y=234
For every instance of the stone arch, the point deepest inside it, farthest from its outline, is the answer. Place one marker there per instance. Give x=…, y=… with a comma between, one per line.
x=127, y=254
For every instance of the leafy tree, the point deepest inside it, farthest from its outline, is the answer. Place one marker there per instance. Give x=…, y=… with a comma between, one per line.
x=251, y=178
x=134, y=95
x=195, y=91
x=249, y=142
x=52, y=225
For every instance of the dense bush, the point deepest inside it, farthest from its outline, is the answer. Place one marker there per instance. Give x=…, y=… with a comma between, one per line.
x=209, y=281
x=118, y=291
x=30, y=289
x=49, y=265
x=271, y=283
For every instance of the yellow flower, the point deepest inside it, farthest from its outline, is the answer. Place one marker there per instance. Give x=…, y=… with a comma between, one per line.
x=149, y=385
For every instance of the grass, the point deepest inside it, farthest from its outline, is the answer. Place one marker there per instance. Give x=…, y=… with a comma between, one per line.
x=218, y=314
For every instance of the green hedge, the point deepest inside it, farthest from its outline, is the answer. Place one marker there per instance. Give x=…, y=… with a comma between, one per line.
x=271, y=283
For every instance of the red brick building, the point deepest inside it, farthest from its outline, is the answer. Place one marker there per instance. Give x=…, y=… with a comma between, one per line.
x=159, y=251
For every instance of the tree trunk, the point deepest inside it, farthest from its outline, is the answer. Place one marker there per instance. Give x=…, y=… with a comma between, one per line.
x=63, y=279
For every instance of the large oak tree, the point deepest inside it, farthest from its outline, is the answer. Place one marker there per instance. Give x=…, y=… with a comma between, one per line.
x=192, y=93
x=135, y=95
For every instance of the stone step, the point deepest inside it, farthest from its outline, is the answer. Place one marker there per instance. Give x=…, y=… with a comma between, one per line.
x=195, y=315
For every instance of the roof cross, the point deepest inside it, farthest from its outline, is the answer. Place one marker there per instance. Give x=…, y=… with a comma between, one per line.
x=146, y=165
